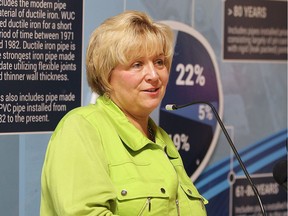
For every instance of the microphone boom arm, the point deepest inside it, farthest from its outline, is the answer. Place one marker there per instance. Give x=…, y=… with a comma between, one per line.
x=174, y=107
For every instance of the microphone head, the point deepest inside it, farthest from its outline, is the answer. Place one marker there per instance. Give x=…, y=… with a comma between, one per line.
x=170, y=107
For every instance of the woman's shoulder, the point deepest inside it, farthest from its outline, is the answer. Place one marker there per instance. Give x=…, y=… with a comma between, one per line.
x=83, y=110
x=86, y=113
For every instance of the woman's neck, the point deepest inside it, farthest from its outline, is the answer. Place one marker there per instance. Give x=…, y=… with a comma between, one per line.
x=140, y=123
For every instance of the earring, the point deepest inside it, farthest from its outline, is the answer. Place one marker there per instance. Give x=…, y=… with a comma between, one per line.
x=107, y=95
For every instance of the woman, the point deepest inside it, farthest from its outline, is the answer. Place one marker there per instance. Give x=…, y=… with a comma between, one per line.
x=110, y=158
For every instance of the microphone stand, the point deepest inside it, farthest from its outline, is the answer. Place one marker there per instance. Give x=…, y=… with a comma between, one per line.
x=174, y=107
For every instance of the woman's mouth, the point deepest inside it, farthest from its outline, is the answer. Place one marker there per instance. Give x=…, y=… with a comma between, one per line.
x=152, y=90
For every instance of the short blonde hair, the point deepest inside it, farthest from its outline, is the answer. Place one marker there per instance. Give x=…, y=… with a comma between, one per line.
x=119, y=40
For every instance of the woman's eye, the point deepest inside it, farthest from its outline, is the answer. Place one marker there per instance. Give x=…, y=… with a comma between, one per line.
x=137, y=65
x=159, y=62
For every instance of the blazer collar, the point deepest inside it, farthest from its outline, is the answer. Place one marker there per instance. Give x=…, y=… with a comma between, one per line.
x=130, y=135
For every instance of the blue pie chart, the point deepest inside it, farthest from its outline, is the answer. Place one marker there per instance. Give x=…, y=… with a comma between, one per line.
x=194, y=76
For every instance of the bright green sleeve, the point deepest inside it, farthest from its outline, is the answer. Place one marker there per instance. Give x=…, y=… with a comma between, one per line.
x=75, y=178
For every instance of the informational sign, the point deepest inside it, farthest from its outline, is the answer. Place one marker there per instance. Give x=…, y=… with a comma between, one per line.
x=245, y=202
x=194, y=77
x=40, y=63
x=255, y=30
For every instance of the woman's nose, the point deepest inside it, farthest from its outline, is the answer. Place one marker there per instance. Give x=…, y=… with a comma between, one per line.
x=152, y=73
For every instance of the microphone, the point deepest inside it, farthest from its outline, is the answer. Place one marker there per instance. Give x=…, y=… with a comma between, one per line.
x=280, y=173
x=175, y=107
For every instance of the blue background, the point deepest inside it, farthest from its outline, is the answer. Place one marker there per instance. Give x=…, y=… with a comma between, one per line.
x=255, y=110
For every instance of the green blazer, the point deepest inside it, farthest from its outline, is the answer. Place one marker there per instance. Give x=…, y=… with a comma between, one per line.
x=98, y=163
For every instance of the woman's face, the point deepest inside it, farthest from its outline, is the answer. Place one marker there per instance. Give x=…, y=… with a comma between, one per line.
x=138, y=88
